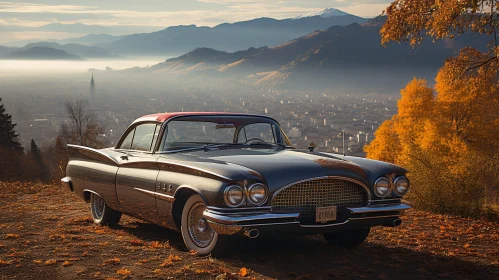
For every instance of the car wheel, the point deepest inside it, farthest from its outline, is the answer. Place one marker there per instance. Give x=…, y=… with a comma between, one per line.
x=102, y=214
x=196, y=231
x=352, y=238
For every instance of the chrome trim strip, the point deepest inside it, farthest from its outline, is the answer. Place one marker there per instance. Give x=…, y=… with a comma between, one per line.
x=161, y=196
x=373, y=217
x=255, y=225
x=369, y=196
x=242, y=209
x=325, y=226
x=379, y=208
x=93, y=151
x=222, y=219
x=385, y=200
x=195, y=168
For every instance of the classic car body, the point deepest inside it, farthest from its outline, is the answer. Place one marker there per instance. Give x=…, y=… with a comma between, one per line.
x=206, y=174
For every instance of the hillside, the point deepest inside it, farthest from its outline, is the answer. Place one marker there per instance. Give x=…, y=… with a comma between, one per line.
x=5, y=50
x=314, y=59
x=91, y=39
x=41, y=53
x=228, y=36
x=74, y=49
x=47, y=233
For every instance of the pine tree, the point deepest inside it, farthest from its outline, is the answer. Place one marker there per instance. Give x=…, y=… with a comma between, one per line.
x=41, y=170
x=35, y=151
x=8, y=136
x=11, y=152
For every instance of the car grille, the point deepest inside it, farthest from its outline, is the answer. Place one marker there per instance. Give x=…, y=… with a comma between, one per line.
x=304, y=197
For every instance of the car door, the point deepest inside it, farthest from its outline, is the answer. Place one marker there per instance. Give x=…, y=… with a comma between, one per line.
x=137, y=172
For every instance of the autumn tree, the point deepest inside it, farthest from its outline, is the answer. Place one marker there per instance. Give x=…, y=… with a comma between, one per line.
x=447, y=137
x=412, y=21
x=82, y=128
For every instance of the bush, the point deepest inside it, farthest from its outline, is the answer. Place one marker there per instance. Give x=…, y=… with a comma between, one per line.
x=463, y=188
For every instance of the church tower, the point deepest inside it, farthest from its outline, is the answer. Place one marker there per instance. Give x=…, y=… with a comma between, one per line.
x=92, y=86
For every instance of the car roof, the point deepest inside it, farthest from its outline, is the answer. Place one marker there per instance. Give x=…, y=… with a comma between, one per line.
x=163, y=117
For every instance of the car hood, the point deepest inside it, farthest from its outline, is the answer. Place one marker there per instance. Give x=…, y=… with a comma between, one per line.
x=278, y=168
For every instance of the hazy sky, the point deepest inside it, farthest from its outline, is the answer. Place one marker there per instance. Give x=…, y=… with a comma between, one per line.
x=158, y=14
x=169, y=12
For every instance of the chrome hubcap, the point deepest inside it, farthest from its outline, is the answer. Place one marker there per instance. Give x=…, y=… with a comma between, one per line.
x=199, y=230
x=98, y=207
x=202, y=225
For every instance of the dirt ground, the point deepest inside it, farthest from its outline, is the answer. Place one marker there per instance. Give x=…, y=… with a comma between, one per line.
x=46, y=233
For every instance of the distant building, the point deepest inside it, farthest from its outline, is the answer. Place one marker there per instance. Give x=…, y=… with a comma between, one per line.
x=92, y=86
x=294, y=133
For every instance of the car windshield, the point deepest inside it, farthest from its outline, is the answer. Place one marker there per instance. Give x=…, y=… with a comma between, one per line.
x=198, y=132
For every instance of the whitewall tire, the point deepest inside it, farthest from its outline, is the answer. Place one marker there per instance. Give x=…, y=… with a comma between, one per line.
x=102, y=214
x=196, y=231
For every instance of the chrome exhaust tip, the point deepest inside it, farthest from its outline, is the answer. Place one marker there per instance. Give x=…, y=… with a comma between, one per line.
x=252, y=233
x=394, y=223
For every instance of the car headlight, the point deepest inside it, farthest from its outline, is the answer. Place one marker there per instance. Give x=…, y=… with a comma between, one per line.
x=234, y=196
x=402, y=185
x=382, y=187
x=257, y=194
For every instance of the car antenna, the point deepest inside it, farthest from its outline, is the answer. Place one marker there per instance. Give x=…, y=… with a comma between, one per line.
x=344, y=144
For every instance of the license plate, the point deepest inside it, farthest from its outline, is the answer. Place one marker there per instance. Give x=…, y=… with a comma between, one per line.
x=325, y=214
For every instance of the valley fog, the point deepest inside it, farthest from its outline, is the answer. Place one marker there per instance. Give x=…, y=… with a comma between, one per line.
x=357, y=101
x=40, y=67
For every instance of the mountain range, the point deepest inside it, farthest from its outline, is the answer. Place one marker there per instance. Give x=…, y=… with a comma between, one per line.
x=40, y=53
x=317, y=58
x=228, y=36
x=74, y=49
x=69, y=51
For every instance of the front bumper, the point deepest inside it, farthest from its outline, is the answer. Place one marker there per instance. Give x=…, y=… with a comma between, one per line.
x=232, y=221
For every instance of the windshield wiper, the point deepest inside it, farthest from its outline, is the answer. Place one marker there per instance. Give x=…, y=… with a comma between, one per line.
x=212, y=147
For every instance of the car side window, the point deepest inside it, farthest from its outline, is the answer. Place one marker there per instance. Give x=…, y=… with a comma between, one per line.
x=263, y=131
x=128, y=141
x=143, y=137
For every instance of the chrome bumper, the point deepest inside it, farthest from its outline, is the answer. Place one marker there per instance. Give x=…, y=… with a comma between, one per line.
x=233, y=221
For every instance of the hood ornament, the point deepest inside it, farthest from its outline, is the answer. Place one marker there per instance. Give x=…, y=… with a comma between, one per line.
x=311, y=147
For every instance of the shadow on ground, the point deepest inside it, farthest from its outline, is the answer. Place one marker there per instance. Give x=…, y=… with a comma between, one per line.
x=311, y=257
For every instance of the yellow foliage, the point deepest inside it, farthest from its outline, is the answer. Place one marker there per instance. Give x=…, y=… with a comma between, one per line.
x=410, y=21
x=449, y=141
x=386, y=145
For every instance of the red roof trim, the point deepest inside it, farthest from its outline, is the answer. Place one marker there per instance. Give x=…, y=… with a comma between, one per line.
x=163, y=117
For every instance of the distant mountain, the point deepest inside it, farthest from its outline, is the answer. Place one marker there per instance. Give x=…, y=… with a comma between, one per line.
x=91, y=39
x=5, y=50
x=320, y=57
x=74, y=49
x=80, y=28
x=330, y=12
x=41, y=53
x=228, y=36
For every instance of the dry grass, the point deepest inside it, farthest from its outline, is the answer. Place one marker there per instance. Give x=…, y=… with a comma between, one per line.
x=36, y=245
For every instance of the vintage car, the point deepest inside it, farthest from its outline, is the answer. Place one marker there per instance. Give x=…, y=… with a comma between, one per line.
x=211, y=174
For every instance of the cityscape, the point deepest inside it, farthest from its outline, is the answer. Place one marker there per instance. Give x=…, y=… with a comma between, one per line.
x=321, y=117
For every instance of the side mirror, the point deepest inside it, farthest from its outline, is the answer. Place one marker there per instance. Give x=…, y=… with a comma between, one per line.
x=311, y=147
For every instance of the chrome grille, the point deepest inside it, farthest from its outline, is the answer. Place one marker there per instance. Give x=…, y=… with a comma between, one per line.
x=304, y=197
